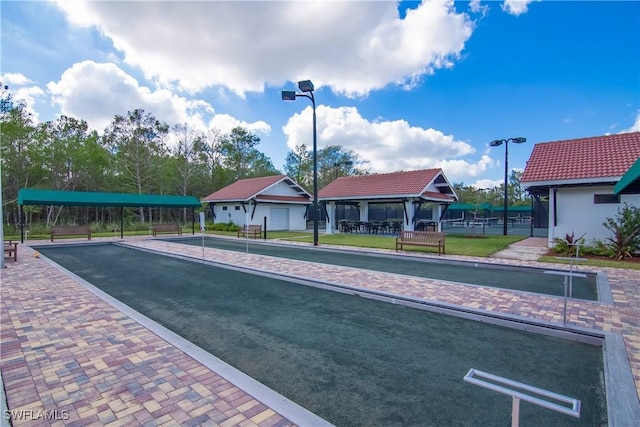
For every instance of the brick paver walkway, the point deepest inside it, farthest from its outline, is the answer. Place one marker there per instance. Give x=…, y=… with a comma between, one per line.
x=63, y=348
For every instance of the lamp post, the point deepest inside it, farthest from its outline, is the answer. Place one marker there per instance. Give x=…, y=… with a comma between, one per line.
x=307, y=92
x=496, y=143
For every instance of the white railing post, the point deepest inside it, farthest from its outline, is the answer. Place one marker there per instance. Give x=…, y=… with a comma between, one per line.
x=568, y=282
x=515, y=412
x=517, y=393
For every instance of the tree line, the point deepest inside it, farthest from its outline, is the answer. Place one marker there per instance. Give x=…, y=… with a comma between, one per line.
x=137, y=153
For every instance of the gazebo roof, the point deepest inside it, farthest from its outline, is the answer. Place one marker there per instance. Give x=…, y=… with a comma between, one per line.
x=428, y=184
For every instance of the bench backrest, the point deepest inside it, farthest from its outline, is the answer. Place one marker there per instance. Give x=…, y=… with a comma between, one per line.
x=253, y=227
x=70, y=229
x=166, y=227
x=422, y=236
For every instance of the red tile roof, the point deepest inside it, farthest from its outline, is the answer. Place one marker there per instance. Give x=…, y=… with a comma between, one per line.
x=246, y=189
x=597, y=157
x=404, y=184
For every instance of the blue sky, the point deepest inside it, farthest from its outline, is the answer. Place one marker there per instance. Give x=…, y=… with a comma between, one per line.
x=410, y=85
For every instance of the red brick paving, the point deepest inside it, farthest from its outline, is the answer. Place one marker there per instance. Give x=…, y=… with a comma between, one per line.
x=62, y=347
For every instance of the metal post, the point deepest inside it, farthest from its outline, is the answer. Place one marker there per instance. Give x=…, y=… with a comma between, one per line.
x=571, y=279
x=496, y=143
x=264, y=226
x=316, y=211
x=515, y=412
x=506, y=186
x=21, y=214
x=564, y=310
x=306, y=86
x=531, y=219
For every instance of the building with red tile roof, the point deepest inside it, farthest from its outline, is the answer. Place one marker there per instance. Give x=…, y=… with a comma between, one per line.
x=578, y=176
x=420, y=194
x=249, y=201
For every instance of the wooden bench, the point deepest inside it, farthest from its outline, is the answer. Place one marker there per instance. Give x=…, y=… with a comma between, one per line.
x=254, y=231
x=70, y=230
x=166, y=228
x=421, y=238
x=11, y=249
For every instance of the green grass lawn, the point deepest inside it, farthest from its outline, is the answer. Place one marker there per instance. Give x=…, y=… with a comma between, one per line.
x=595, y=262
x=483, y=246
x=455, y=245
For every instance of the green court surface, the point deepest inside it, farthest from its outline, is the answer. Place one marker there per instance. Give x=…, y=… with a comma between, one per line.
x=520, y=279
x=353, y=361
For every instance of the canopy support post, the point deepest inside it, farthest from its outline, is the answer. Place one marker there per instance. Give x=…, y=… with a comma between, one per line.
x=122, y=222
x=21, y=214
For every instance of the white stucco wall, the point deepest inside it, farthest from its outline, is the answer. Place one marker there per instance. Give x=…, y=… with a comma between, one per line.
x=238, y=217
x=577, y=213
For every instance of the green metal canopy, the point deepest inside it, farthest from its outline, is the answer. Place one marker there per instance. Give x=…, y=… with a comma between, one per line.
x=630, y=181
x=31, y=196
x=469, y=206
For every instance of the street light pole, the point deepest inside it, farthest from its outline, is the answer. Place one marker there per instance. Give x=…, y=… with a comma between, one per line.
x=496, y=143
x=290, y=95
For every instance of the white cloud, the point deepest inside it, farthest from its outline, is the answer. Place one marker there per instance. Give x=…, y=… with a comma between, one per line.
x=635, y=127
x=11, y=79
x=225, y=123
x=516, y=7
x=23, y=89
x=487, y=184
x=353, y=47
x=476, y=7
x=96, y=92
x=387, y=145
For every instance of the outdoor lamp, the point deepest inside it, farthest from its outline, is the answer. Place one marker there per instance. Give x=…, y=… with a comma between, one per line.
x=307, y=92
x=496, y=143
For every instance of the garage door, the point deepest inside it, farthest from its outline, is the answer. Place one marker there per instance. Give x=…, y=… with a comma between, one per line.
x=279, y=219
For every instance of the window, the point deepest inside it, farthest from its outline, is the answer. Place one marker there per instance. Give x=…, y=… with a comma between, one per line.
x=606, y=198
x=224, y=208
x=237, y=208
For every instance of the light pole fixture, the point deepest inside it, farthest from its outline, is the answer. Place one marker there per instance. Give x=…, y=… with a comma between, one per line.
x=306, y=86
x=496, y=143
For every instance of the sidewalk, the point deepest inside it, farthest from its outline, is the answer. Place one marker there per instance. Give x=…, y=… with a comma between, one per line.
x=529, y=249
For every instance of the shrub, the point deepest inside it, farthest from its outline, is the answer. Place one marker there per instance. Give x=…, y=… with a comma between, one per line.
x=626, y=232
x=568, y=245
x=223, y=226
